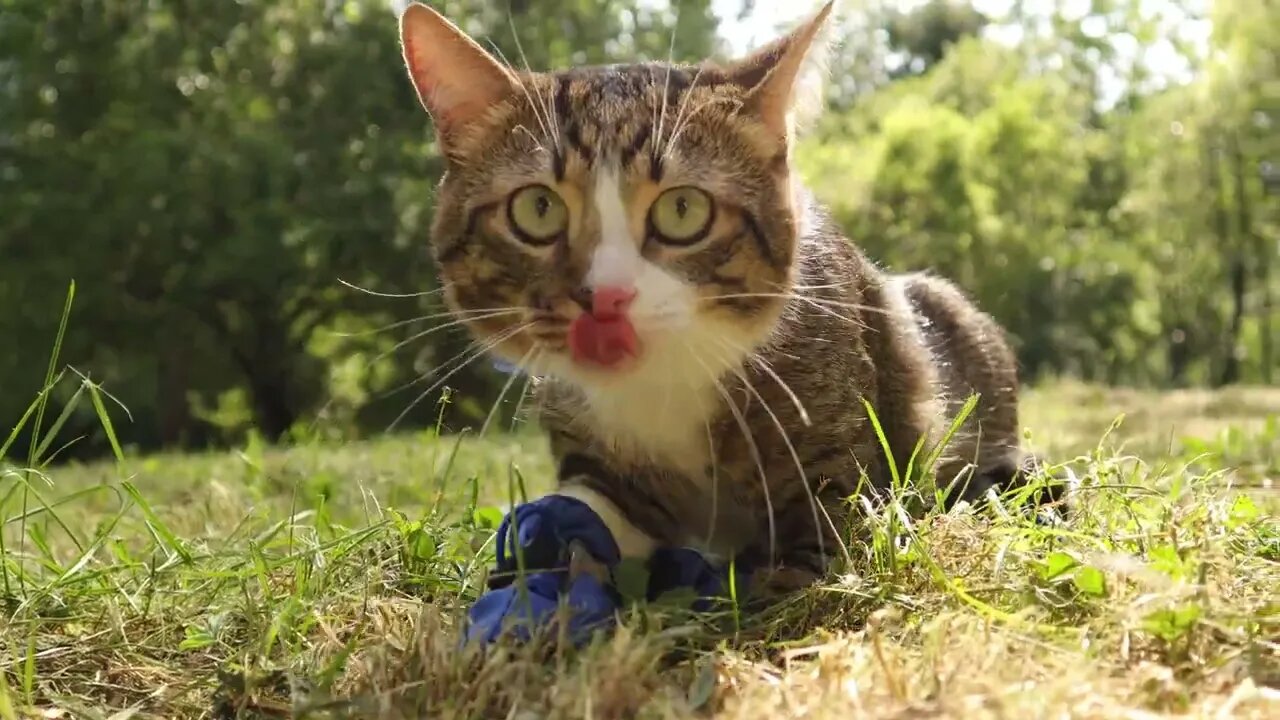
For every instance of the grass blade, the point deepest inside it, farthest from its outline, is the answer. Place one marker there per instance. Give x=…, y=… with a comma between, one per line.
x=157, y=526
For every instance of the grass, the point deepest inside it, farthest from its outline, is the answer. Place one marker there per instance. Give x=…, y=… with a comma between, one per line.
x=327, y=581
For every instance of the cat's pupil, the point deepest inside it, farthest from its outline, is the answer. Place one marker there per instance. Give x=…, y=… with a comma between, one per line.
x=682, y=206
x=542, y=205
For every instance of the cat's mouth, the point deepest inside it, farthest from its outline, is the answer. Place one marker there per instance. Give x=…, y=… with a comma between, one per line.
x=610, y=343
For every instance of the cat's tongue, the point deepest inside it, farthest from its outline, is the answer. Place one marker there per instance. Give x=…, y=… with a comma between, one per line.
x=603, y=342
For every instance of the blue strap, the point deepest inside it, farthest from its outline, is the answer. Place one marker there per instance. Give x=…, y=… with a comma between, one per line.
x=539, y=533
x=544, y=528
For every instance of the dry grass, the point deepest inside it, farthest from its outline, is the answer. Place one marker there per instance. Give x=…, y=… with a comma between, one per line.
x=328, y=581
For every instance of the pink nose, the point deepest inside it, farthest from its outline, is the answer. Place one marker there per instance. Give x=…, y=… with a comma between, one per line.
x=611, y=302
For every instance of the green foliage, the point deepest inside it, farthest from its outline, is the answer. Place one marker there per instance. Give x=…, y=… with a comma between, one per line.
x=210, y=177
x=1125, y=240
x=209, y=174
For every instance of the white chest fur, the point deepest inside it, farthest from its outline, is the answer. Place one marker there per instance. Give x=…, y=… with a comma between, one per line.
x=662, y=423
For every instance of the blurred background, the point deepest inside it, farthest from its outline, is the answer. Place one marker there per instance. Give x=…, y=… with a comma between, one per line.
x=1103, y=175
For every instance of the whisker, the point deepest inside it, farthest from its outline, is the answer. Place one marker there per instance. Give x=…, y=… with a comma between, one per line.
x=666, y=83
x=681, y=126
x=551, y=120
x=494, y=342
x=805, y=298
x=375, y=293
x=511, y=379
x=467, y=315
x=764, y=366
x=546, y=130
x=715, y=485
x=688, y=93
x=795, y=458
x=437, y=328
x=524, y=391
x=751, y=445
x=821, y=306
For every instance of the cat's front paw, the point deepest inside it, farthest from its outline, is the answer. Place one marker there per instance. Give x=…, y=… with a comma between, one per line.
x=522, y=608
x=563, y=551
x=539, y=535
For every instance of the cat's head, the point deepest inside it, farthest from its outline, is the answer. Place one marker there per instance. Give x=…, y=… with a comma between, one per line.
x=614, y=224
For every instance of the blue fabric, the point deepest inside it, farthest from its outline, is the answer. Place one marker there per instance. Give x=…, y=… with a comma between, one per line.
x=544, y=529
x=504, y=610
x=674, y=569
x=540, y=532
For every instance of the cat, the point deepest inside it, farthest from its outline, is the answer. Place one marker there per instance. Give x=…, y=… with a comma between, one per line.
x=636, y=237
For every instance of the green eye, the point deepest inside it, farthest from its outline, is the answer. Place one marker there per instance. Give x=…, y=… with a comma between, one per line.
x=682, y=215
x=538, y=214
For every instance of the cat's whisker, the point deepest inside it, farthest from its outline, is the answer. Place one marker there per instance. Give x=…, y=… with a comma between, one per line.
x=798, y=296
x=537, y=144
x=552, y=122
x=376, y=293
x=440, y=366
x=715, y=484
x=524, y=391
x=445, y=326
x=511, y=379
x=465, y=316
x=485, y=348
x=666, y=82
x=755, y=359
x=684, y=102
x=795, y=457
x=520, y=83
x=751, y=445
x=682, y=125
x=823, y=306
x=417, y=336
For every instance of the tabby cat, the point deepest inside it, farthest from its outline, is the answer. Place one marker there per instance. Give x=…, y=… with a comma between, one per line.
x=636, y=237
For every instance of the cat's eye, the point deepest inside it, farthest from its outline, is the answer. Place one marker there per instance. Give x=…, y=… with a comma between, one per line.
x=538, y=214
x=682, y=216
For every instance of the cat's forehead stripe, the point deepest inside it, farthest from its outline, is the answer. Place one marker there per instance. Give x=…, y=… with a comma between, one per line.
x=596, y=113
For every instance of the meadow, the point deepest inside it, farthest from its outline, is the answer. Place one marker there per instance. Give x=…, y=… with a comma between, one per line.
x=328, y=580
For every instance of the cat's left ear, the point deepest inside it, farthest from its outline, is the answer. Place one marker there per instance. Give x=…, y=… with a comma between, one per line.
x=457, y=81
x=785, y=77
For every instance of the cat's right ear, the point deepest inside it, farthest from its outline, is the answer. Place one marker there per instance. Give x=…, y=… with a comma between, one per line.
x=457, y=81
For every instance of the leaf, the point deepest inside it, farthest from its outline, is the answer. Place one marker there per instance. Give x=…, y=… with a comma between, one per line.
x=1172, y=623
x=421, y=545
x=195, y=638
x=1090, y=581
x=1166, y=559
x=1243, y=511
x=1057, y=564
x=488, y=518
x=703, y=686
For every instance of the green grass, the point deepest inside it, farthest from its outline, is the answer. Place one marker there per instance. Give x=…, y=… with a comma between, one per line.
x=327, y=581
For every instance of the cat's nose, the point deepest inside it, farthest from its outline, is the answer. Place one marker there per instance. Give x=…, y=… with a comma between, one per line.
x=607, y=302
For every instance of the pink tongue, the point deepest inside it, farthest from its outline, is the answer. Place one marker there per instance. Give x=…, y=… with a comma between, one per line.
x=604, y=342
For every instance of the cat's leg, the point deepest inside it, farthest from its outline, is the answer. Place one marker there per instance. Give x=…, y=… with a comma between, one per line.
x=805, y=548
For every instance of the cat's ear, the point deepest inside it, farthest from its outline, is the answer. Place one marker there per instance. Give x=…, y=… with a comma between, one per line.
x=784, y=78
x=457, y=81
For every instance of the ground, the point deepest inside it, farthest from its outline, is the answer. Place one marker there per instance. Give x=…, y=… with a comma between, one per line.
x=327, y=581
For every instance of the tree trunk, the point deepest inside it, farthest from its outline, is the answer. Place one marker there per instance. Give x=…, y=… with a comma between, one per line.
x=273, y=412
x=172, y=387
x=1235, y=268
x=1239, y=263
x=1266, y=311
